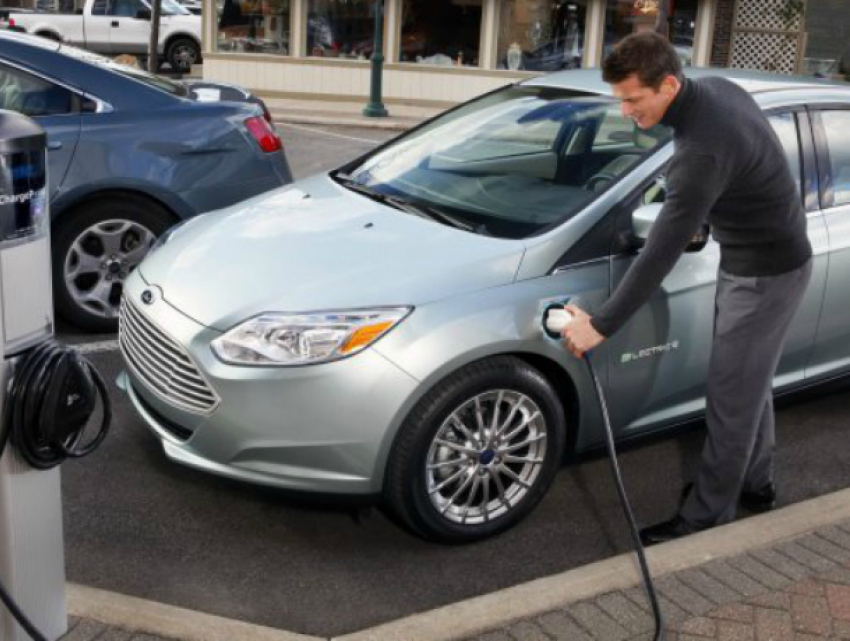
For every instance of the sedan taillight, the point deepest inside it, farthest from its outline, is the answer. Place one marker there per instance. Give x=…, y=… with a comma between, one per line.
x=262, y=132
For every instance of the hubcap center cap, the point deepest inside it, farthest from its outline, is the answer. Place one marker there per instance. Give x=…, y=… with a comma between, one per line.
x=487, y=457
x=113, y=267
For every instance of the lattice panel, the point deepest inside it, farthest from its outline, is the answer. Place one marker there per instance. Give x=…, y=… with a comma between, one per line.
x=776, y=52
x=773, y=15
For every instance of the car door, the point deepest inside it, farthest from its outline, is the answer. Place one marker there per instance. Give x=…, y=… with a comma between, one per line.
x=97, y=25
x=832, y=135
x=127, y=32
x=52, y=106
x=658, y=361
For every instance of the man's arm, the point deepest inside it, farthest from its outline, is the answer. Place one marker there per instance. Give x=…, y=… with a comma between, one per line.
x=694, y=184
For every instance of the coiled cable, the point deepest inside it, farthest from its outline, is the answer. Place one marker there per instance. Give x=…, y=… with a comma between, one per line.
x=48, y=405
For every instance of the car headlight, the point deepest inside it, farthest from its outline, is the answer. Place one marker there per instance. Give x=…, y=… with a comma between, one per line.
x=304, y=339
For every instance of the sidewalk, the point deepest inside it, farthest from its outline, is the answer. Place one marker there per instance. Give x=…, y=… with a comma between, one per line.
x=345, y=114
x=778, y=576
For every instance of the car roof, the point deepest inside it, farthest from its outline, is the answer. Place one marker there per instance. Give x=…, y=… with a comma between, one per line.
x=755, y=82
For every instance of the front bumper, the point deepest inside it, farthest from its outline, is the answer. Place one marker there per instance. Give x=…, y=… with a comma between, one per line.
x=319, y=428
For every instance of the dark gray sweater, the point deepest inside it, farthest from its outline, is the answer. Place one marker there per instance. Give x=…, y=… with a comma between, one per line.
x=728, y=169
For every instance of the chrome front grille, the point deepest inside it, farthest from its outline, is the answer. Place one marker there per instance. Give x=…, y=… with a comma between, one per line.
x=162, y=364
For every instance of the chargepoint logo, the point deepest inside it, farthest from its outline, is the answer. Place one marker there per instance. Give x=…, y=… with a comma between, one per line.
x=6, y=199
x=628, y=357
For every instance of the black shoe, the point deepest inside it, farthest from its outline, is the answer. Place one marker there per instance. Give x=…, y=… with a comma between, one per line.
x=665, y=531
x=762, y=501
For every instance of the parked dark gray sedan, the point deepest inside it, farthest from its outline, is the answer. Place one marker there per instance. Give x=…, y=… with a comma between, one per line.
x=130, y=154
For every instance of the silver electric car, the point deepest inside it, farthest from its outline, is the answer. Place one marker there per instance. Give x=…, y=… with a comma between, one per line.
x=377, y=329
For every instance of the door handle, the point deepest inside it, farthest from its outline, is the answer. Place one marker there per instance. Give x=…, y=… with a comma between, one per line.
x=53, y=146
x=114, y=23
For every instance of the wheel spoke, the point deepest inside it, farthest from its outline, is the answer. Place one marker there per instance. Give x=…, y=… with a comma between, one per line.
x=507, y=422
x=518, y=446
x=457, y=447
x=448, y=481
x=525, y=422
x=86, y=263
x=479, y=414
x=485, y=501
x=536, y=460
x=500, y=488
x=442, y=464
x=495, y=422
x=458, y=492
x=463, y=429
x=476, y=481
x=514, y=476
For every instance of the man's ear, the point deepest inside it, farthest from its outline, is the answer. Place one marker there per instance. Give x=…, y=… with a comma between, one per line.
x=670, y=86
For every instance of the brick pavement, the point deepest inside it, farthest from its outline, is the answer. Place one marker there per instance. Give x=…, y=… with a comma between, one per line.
x=795, y=590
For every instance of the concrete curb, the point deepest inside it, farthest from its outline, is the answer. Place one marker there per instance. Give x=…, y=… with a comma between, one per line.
x=492, y=611
x=344, y=121
x=138, y=615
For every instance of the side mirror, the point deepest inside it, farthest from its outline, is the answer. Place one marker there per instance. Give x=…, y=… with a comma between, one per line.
x=644, y=217
x=143, y=14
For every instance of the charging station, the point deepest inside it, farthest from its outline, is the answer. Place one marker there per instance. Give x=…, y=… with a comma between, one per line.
x=32, y=560
x=48, y=393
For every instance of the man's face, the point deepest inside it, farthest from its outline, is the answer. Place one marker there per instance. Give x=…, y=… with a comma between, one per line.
x=645, y=105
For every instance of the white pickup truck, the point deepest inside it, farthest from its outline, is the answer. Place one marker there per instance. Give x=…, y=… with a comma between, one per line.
x=116, y=27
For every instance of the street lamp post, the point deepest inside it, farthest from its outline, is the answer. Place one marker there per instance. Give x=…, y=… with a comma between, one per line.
x=375, y=108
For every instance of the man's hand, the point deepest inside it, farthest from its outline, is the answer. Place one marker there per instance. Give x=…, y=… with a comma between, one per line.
x=579, y=335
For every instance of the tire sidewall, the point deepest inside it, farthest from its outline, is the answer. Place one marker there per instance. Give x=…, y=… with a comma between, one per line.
x=68, y=228
x=424, y=422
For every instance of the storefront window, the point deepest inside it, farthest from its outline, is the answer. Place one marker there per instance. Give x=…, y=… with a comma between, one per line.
x=259, y=26
x=827, y=39
x=540, y=35
x=623, y=17
x=441, y=32
x=340, y=28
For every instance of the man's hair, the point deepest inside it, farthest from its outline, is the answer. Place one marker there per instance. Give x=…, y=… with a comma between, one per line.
x=646, y=55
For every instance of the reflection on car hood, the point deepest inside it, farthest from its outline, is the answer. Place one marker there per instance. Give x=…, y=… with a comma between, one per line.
x=316, y=246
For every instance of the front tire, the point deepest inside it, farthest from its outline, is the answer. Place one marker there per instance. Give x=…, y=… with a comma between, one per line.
x=477, y=453
x=95, y=248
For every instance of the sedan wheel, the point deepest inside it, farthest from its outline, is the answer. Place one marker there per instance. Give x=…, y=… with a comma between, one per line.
x=95, y=252
x=478, y=452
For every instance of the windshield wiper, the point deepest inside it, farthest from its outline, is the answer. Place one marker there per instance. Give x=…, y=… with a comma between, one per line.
x=423, y=211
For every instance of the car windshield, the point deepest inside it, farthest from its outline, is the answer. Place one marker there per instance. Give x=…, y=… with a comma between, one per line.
x=158, y=82
x=513, y=163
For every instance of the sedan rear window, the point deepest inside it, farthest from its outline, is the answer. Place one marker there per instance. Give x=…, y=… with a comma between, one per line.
x=158, y=82
x=513, y=163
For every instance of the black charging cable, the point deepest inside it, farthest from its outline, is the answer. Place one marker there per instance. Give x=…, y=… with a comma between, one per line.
x=555, y=319
x=627, y=507
x=49, y=402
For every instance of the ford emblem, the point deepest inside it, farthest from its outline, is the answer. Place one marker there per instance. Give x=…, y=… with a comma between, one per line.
x=147, y=297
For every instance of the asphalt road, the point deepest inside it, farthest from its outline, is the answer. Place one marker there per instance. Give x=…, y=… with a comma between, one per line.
x=138, y=524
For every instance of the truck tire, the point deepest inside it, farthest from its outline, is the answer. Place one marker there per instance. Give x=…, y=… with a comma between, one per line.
x=49, y=35
x=182, y=53
x=96, y=246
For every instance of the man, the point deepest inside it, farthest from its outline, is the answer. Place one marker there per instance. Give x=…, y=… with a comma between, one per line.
x=729, y=170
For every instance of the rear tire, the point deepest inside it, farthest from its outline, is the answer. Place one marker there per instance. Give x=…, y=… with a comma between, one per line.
x=182, y=53
x=452, y=477
x=95, y=247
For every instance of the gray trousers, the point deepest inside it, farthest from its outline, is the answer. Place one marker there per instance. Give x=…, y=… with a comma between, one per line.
x=752, y=315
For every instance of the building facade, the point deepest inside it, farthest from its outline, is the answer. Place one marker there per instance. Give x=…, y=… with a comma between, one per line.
x=440, y=52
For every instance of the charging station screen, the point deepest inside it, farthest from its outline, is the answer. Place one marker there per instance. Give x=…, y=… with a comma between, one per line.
x=23, y=195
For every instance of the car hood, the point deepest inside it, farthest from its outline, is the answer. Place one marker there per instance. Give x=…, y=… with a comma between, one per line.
x=316, y=246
